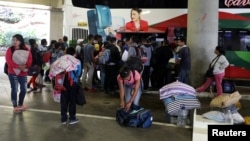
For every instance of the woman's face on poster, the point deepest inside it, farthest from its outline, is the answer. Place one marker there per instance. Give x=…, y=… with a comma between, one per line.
x=135, y=16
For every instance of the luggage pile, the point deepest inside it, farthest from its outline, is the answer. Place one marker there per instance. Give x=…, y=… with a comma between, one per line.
x=178, y=98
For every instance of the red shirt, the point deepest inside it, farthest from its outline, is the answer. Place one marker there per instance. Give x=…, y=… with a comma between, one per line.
x=12, y=64
x=143, y=26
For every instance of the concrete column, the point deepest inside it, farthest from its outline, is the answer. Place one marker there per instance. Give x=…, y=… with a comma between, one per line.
x=56, y=24
x=202, y=36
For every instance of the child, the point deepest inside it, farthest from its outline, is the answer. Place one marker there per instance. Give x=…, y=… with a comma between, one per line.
x=68, y=97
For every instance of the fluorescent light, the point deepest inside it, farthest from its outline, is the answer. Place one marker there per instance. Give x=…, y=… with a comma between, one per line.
x=145, y=12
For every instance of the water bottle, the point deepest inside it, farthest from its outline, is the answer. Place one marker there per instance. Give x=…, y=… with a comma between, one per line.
x=229, y=117
x=182, y=117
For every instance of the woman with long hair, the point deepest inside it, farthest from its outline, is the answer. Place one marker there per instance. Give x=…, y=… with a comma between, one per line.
x=17, y=73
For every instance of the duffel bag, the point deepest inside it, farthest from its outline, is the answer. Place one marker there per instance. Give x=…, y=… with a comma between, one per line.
x=136, y=117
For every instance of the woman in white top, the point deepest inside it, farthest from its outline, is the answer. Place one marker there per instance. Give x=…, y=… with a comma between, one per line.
x=219, y=71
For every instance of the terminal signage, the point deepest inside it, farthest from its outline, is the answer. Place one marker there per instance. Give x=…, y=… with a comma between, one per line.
x=237, y=3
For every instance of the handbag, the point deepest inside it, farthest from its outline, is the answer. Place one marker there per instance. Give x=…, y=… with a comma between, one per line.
x=34, y=70
x=6, y=68
x=80, y=97
x=210, y=70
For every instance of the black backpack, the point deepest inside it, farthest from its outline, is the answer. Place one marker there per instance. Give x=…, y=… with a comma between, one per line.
x=6, y=65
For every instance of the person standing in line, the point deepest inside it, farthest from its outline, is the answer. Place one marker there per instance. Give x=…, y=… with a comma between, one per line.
x=65, y=42
x=79, y=52
x=36, y=61
x=161, y=71
x=88, y=64
x=68, y=97
x=42, y=48
x=49, y=50
x=112, y=68
x=20, y=78
x=133, y=43
x=79, y=47
x=146, y=46
x=219, y=71
x=183, y=60
x=97, y=49
x=126, y=44
x=102, y=66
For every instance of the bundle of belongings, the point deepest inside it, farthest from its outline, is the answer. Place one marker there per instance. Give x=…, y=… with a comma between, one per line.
x=222, y=104
x=177, y=96
x=61, y=69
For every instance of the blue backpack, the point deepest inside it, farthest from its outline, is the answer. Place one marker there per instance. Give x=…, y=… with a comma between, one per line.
x=136, y=117
x=105, y=57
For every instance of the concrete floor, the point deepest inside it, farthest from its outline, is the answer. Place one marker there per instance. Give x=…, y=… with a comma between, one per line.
x=97, y=118
x=42, y=120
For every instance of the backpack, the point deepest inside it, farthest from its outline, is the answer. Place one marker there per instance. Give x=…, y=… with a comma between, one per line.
x=228, y=86
x=6, y=65
x=136, y=117
x=134, y=63
x=141, y=53
x=105, y=57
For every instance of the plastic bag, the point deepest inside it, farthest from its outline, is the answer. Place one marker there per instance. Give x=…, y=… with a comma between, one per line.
x=57, y=96
x=125, y=55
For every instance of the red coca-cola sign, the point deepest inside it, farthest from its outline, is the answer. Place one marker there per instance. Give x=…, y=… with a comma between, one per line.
x=237, y=3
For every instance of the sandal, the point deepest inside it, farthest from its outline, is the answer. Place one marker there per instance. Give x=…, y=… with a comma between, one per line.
x=23, y=108
x=17, y=110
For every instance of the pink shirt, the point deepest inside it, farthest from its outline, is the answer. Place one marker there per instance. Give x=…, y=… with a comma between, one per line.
x=132, y=80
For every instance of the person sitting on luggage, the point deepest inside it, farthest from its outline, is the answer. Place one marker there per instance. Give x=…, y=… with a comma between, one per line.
x=129, y=82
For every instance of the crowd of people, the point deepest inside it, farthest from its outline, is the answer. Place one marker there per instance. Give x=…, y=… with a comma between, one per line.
x=164, y=63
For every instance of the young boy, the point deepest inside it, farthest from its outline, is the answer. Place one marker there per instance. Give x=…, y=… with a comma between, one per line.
x=68, y=97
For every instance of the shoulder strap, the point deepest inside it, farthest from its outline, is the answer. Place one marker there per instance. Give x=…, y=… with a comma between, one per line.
x=216, y=59
x=12, y=49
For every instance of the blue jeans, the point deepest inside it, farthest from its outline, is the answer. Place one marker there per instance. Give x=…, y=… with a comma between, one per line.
x=183, y=76
x=14, y=81
x=102, y=75
x=128, y=91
